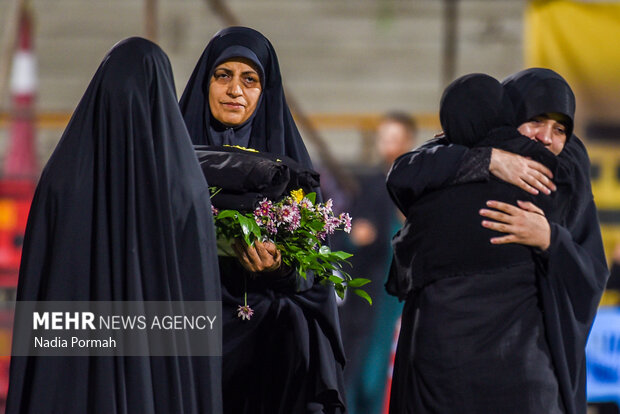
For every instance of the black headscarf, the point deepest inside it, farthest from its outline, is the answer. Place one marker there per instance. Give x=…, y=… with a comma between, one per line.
x=121, y=213
x=472, y=106
x=271, y=127
x=288, y=358
x=538, y=91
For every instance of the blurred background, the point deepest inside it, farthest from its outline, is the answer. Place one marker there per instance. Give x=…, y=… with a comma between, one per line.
x=364, y=78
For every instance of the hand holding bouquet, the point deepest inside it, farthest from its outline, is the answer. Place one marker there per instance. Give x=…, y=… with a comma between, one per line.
x=298, y=226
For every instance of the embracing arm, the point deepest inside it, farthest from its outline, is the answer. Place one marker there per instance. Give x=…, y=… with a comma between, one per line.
x=428, y=167
x=525, y=173
x=437, y=163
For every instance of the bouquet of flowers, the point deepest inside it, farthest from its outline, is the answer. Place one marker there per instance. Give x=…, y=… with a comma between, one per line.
x=298, y=226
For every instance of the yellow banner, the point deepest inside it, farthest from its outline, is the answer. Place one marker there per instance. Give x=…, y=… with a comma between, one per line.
x=581, y=41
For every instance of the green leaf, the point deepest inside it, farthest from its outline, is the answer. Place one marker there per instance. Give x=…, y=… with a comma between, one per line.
x=311, y=197
x=363, y=294
x=316, y=225
x=227, y=213
x=358, y=282
x=248, y=227
x=340, y=291
x=335, y=279
x=342, y=255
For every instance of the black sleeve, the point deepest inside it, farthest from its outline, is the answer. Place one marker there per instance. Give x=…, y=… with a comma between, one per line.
x=430, y=166
x=474, y=166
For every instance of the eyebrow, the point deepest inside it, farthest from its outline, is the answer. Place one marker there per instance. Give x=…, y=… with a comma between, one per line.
x=250, y=72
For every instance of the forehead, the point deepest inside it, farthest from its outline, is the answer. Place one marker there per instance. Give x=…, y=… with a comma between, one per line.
x=556, y=117
x=238, y=63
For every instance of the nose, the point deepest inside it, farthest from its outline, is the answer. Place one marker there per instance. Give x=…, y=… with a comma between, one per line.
x=234, y=88
x=544, y=134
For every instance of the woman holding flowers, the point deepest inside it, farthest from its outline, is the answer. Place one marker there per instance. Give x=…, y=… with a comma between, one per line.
x=282, y=351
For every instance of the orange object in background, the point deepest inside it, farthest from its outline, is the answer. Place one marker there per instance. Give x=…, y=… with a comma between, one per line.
x=15, y=198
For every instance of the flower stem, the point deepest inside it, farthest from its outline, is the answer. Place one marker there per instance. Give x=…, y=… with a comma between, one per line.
x=245, y=293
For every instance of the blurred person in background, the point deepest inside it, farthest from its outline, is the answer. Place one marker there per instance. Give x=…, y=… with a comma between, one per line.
x=286, y=356
x=368, y=330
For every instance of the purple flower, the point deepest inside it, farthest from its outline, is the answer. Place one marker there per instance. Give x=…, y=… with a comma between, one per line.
x=289, y=215
x=328, y=205
x=272, y=227
x=295, y=221
x=321, y=235
x=331, y=223
x=244, y=312
x=305, y=203
x=214, y=210
x=346, y=220
x=264, y=208
x=285, y=214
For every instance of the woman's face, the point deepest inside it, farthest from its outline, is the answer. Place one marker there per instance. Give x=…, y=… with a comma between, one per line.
x=234, y=90
x=546, y=129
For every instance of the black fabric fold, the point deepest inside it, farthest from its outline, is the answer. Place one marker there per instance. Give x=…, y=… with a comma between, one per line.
x=243, y=173
x=242, y=176
x=244, y=202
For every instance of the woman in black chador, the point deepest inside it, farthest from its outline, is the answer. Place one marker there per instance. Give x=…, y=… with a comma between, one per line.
x=478, y=316
x=560, y=301
x=121, y=213
x=287, y=358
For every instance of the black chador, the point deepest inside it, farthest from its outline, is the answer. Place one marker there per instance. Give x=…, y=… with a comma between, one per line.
x=121, y=213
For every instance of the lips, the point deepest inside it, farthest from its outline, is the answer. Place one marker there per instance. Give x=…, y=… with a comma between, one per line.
x=233, y=105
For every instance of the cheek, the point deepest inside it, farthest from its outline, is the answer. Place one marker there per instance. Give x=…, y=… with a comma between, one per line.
x=558, y=145
x=252, y=97
x=214, y=93
x=527, y=130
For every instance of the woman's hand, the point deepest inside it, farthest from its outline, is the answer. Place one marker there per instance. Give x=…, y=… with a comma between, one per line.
x=523, y=172
x=525, y=224
x=261, y=257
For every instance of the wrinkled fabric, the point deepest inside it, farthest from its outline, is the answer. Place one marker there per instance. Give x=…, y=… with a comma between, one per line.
x=474, y=343
x=288, y=358
x=121, y=213
x=243, y=178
